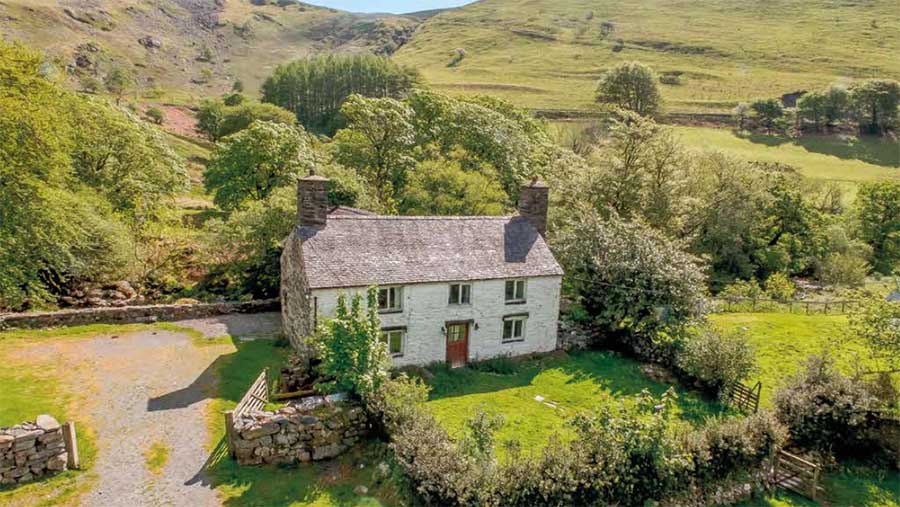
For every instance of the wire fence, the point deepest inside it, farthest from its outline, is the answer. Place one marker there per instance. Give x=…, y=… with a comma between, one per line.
x=761, y=305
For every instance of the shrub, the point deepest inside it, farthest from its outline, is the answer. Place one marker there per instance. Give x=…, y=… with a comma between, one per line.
x=350, y=347
x=456, y=56
x=670, y=78
x=742, y=289
x=780, y=287
x=716, y=359
x=156, y=115
x=847, y=270
x=734, y=445
x=824, y=410
x=501, y=365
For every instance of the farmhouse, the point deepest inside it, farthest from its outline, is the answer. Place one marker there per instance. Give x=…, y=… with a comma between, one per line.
x=452, y=289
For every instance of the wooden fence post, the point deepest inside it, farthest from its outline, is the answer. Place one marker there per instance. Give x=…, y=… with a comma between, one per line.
x=229, y=429
x=71, y=442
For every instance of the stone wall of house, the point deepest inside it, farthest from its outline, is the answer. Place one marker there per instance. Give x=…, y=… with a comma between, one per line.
x=296, y=311
x=426, y=313
x=132, y=314
x=314, y=431
x=29, y=451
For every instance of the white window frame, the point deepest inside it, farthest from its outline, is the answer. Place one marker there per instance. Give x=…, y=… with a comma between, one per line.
x=516, y=283
x=460, y=301
x=386, y=339
x=395, y=304
x=512, y=320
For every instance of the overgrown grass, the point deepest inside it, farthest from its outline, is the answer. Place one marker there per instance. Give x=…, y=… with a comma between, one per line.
x=157, y=456
x=318, y=484
x=568, y=383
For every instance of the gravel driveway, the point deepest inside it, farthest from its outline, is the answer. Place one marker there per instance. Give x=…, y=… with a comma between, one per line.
x=153, y=388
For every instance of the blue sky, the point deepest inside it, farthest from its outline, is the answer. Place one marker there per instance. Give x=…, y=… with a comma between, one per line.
x=394, y=6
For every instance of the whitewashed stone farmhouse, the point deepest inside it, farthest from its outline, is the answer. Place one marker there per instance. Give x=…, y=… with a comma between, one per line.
x=452, y=289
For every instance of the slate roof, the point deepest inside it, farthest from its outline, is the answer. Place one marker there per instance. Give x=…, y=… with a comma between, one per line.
x=359, y=250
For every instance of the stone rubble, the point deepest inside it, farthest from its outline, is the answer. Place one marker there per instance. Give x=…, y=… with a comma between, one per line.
x=29, y=451
x=310, y=430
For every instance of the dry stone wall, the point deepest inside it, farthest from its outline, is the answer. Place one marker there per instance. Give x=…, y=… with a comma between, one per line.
x=132, y=314
x=313, y=430
x=29, y=451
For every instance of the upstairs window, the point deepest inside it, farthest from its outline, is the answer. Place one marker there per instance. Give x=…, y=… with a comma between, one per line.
x=515, y=291
x=514, y=328
x=395, y=340
x=390, y=299
x=460, y=294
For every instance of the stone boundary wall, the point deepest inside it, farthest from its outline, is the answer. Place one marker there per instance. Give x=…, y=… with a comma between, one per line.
x=29, y=451
x=313, y=430
x=133, y=314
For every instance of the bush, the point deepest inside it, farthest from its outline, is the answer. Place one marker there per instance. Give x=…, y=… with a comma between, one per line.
x=780, y=287
x=156, y=115
x=846, y=270
x=826, y=411
x=456, y=56
x=501, y=365
x=716, y=359
x=742, y=289
x=670, y=78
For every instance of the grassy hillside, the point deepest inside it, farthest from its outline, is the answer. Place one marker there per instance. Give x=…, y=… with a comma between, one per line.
x=202, y=45
x=549, y=53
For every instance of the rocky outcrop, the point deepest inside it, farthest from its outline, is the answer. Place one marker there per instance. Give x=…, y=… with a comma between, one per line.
x=311, y=430
x=29, y=451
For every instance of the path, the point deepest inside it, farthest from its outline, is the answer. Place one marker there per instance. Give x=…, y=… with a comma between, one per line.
x=153, y=387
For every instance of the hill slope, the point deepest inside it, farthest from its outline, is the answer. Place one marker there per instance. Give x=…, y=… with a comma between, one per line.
x=549, y=53
x=192, y=48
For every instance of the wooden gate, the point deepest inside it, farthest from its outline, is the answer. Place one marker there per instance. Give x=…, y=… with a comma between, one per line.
x=743, y=397
x=256, y=398
x=797, y=474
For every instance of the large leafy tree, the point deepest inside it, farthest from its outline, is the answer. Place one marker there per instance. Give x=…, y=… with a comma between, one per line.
x=442, y=187
x=315, y=88
x=254, y=162
x=378, y=142
x=878, y=210
x=632, y=86
x=875, y=102
x=217, y=119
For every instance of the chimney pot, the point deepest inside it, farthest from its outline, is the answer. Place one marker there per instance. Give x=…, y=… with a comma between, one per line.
x=312, y=201
x=534, y=203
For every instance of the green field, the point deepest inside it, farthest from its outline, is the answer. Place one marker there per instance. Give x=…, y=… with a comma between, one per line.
x=550, y=53
x=849, y=160
x=568, y=384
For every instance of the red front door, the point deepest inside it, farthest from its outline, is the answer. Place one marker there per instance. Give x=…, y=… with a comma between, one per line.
x=457, y=344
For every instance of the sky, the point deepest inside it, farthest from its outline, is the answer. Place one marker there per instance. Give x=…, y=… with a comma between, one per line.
x=392, y=6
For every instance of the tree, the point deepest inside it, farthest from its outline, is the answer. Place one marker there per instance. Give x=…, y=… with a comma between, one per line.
x=237, y=86
x=877, y=322
x=837, y=100
x=813, y=107
x=218, y=118
x=251, y=164
x=350, y=347
x=875, y=102
x=741, y=113
x=768, y=111
x=118, y=81
x=315, y=88
x=442, y=187
x=377, y=142
x=629, y=277
x=631, y=86
x=878, y=210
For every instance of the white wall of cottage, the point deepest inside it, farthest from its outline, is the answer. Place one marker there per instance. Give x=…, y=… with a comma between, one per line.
x=426, y=310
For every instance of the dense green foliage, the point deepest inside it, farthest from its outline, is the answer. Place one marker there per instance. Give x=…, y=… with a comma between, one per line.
x=715, y=358
x=879, y=222
x=350, y=348
x=877, y=323
x=875, y=103
x=315, y=88
x=219, y=118
x=442, y=187
x=79, y=182
x=631, y=86
x=254, y=162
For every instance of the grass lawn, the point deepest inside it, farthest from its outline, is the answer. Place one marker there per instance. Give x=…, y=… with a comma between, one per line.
x=572, y=382
x=318, y=484
x=851, y=160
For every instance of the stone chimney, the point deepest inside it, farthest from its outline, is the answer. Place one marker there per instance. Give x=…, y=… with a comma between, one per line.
x=312, y=201
x=533, y=204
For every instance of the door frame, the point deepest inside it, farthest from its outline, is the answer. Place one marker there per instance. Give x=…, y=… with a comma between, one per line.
x=468, y=327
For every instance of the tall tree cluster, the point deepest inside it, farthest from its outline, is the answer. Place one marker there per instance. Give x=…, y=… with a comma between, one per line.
x=315, y=88
x=81, y=182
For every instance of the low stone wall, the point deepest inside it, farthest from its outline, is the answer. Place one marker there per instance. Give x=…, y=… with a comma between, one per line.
x=29, y=451
x=133, y=314
x=312, y=430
